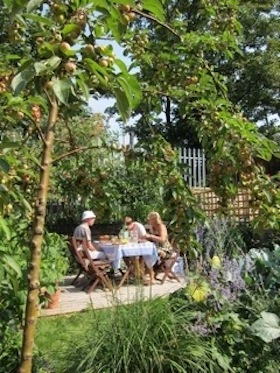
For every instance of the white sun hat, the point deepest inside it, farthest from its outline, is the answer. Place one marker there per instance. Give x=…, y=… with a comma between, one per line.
x=88, y=215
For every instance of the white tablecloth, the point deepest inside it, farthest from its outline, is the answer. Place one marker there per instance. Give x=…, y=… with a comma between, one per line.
x=115, y=253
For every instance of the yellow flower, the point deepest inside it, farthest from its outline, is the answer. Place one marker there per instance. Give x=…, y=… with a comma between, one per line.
x=199, y=295
x=216, y=262
x=198, y=291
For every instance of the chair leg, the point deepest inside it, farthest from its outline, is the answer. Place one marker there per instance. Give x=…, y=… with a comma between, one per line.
x=125, y=276
x=106, y=281
x=175, y=276
x=89, y=280
x=93, y=285
x=76, y=278
x=169, y=273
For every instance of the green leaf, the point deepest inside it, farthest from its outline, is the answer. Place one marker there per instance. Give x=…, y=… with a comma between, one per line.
x=99, y=30
x=121, y=65
x=2, y=273
x=101, y=3
x=71, y=27
x=21, y=79
x=4, y=227
x=4, y=165
x=267, y=328
x=99, y=71
x=40, y=67
x=12, y=264
x=94, y=67
x=39, y=19
x=8, y=3
x=125, y=2
x=154, y=7
x=131, y=88
x=125, y=86
x=122, y=103
x=135, y=89
x=222, y=359
x=53, y=62
x=61, y=89
x=84, y=88
x=32, y=4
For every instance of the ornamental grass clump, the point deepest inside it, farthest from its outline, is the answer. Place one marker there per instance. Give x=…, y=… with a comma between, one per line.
x=146, y=337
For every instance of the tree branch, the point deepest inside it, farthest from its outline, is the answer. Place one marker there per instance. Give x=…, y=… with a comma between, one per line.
x=41, y=135
x=154, y=19
x=77, y=150
x=216, y=82
x=71, y=152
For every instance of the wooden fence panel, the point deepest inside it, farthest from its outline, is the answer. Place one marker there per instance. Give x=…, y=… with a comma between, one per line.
x=239, y=209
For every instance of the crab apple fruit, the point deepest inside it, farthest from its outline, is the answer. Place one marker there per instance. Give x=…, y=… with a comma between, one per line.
x=48, y=85
x=131, y=16
x=70, y=67
x=125, y=8
x=89, y=48
x=65, y=47
x=20, y=115
x=103, y=62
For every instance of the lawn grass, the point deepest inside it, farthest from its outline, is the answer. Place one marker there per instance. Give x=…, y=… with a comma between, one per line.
x=55, y=334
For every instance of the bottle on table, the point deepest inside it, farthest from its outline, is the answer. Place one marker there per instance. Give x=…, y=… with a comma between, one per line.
x=133, y=236
x=124, y=234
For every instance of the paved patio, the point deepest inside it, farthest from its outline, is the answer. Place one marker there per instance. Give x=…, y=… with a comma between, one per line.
x=73, y=299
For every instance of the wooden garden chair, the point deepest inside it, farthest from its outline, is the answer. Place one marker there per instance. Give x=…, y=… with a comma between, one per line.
x=94, y=270
x=166, y=266
x=98, y=270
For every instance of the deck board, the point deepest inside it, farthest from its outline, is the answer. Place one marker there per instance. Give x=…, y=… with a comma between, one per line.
x=74, y=299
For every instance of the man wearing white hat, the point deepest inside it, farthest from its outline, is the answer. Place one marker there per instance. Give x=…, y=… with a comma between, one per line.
x=82, y=236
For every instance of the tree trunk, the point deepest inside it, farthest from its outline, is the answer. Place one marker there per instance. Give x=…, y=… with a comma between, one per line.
x=36, y=245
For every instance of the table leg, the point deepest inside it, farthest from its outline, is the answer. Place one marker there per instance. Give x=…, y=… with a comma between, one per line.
x=137, y=269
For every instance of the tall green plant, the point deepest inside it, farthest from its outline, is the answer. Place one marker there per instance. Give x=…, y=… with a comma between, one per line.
x=159, y=342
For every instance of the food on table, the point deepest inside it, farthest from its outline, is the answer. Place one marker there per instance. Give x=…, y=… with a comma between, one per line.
x=104, y=237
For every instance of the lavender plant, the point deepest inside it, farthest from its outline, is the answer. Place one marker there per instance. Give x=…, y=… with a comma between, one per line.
x=219, y=236
x=219, y=285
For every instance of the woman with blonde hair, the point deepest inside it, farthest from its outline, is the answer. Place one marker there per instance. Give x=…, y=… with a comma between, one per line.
x=159, y=235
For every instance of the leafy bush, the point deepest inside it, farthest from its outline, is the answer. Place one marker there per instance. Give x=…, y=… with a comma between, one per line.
x=54, y=261
x=221, y=308
x=263, y=269
x=14, y=252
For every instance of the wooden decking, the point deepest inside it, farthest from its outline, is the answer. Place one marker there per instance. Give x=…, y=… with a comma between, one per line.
x=73, y=299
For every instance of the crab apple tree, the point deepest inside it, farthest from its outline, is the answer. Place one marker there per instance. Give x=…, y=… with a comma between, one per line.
x=63, y=64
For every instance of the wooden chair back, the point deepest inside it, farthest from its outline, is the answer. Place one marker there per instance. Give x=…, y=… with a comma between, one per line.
x=98, y=270
x=79, y=260
x=94, y=270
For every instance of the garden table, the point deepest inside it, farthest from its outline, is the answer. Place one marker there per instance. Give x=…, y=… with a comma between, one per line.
x=115, y=252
